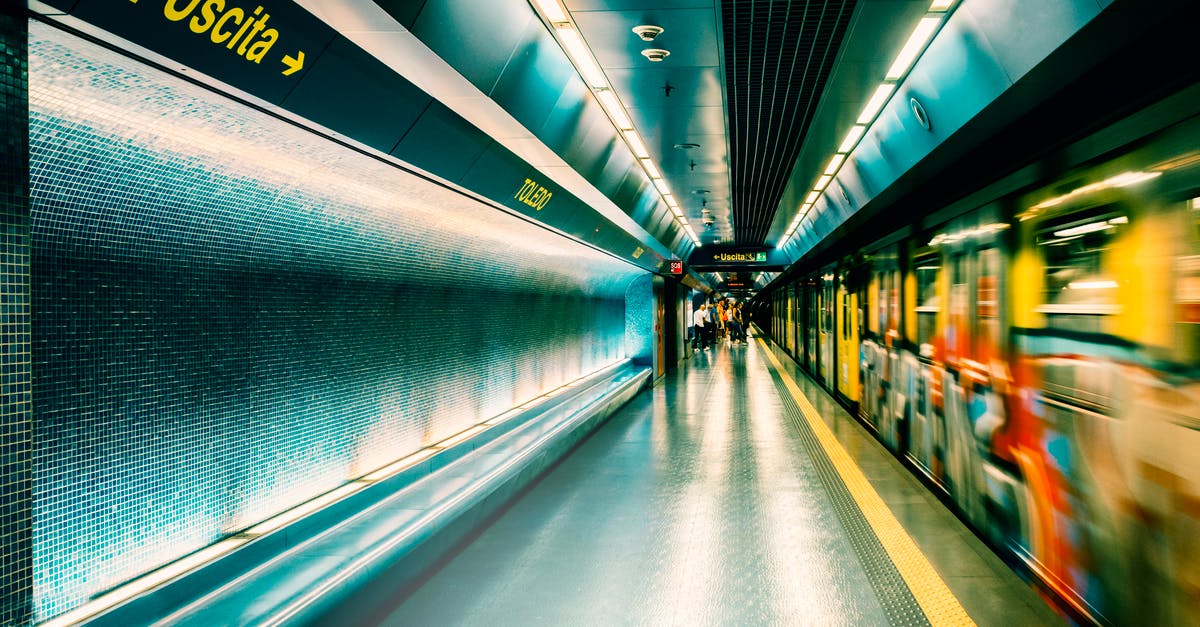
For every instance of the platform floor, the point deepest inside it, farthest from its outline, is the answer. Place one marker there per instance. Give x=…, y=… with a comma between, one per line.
x=709, y=500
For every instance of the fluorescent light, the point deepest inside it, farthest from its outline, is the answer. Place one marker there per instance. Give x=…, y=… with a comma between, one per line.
x=1116, y=220
x=882, y=93
x=682, y=220
x=551, y=9
x=805, y=207
x=661, y=184
x=812, y=198
x=1092, y=285
x=913, y=47
x=671, y=202
x=651, y=169
x=609, y=101
x=579, y=53
x=855, y=134
x=1125, y=179
x=822, y=183
x=637, y=145
x=717, y=275
x=941, y=5
x=1082, y=229
x=834, y=164
x=677, y=211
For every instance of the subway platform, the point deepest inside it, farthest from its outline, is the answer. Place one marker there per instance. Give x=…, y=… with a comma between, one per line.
x=734, y=493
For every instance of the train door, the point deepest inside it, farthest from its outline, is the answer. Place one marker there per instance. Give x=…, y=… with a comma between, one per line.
x=826, y=331
x=846, y=332
x=788, y=326
x=926, y=432
x=813, y=310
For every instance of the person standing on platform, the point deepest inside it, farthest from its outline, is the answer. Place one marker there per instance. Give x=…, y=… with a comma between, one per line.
x=710, y=327
x=700, y=335
x=720, y=321
x=735, y=323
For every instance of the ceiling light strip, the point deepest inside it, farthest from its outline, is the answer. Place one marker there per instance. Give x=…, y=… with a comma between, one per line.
x=913, y=47
x=593, y=75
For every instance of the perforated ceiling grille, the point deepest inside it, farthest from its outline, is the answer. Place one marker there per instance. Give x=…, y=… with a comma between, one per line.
x=778, y=55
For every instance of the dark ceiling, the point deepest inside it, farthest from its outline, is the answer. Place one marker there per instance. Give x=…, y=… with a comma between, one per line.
x=778, y=55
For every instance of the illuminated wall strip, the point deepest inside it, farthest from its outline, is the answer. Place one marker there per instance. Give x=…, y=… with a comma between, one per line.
x=206, y=555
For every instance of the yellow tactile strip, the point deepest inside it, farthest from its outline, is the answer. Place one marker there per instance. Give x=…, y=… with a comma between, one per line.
x=931, y=593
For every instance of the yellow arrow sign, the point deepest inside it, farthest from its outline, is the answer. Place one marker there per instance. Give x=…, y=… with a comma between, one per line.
x=293, y=63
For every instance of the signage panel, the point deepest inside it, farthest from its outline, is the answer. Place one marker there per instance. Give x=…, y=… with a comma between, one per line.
x=262, y=47
x=709, y=257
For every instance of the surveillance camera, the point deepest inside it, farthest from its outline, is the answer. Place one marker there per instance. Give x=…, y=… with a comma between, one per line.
x=647, y=31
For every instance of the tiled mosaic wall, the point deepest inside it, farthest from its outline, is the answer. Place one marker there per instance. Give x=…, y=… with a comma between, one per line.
x=231, y=316
x=15, y=415
x=639, y=318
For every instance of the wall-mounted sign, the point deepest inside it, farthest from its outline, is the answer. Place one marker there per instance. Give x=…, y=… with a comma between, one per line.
x=676, y=266
x=733, y=257
x=729, y=257
x=261, y=46
x=533, y=195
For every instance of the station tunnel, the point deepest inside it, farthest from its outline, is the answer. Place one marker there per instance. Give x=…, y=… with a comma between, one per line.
x=681, y=312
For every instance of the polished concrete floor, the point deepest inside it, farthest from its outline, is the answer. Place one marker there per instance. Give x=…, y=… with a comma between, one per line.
x=698, y=504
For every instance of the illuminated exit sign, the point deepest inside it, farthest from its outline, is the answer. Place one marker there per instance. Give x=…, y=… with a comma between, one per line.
x=733, y=257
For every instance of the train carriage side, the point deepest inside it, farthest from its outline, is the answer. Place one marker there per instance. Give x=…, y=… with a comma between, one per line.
x=1037, y=358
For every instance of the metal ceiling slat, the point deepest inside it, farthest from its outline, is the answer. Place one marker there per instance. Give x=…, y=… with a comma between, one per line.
x=767, y=40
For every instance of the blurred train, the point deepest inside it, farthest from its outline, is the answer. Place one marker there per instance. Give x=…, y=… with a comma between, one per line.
x=1037, y=358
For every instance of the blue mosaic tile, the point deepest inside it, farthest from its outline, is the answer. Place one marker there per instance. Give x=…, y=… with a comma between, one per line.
x=15, y=414
x=232, y=315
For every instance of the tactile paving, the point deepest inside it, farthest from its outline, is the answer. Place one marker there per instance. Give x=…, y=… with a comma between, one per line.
x=897, y=600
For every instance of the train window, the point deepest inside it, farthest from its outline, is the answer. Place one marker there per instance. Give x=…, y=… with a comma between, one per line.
x=928, y=266
x=882, y=285
x=987, y=303
x=1079, y=289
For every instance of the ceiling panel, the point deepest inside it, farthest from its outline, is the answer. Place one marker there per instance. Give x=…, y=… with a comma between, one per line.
x=689, y=35
x=677, y=101
x=628, y=5
x=778, y=55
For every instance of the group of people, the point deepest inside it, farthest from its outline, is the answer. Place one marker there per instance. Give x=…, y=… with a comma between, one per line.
x=712, y=323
